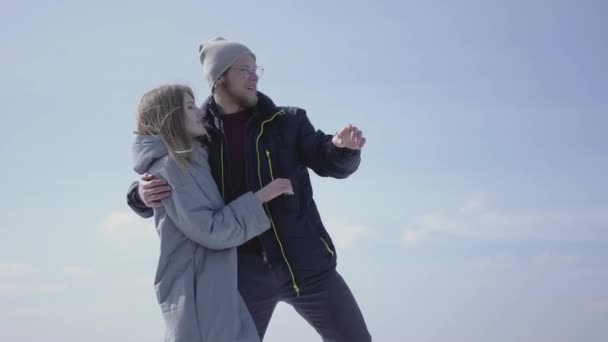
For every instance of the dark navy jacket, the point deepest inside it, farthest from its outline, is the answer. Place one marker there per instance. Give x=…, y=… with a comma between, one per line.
x=282, y=143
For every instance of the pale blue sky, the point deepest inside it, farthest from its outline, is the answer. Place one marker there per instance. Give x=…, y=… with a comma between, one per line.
x=479, y=213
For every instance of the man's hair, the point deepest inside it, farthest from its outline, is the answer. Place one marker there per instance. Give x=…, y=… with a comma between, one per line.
x=215, y=84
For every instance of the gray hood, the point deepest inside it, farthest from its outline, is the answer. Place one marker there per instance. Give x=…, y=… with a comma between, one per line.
x=146, y=150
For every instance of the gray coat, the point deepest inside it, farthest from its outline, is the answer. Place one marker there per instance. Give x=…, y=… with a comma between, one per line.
x=196, y=278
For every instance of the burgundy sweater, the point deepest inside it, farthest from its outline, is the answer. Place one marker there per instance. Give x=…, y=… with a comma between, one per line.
x=235, y=131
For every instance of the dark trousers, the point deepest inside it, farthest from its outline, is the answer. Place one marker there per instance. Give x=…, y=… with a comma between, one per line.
x=325, y=300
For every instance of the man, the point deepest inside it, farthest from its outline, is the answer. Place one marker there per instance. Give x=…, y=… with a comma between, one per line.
x=251, y=142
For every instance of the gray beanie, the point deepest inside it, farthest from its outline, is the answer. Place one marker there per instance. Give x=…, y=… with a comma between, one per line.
x=217, y=55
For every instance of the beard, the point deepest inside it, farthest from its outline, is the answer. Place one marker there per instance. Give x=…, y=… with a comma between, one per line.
x=245, y=101
x=240, y=98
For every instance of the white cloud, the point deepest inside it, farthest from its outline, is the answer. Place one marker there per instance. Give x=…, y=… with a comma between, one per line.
x=121, y=222
x=45, y=288
x=432, y=222
x=344, y=234
x=543, y=259
x=484, y=263
x=501, y=260
x=410, y=236
x=475, y=203
x=571, y=259
x=473, y=219
x=15, y=269
x=25, y=279
x=13, y=276
x=125, y=231
x=600, y=306
x=8, y=289
x=551, y=259
x=77, y=270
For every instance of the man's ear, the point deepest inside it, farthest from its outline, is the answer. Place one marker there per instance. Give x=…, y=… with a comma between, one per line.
x=220, y=81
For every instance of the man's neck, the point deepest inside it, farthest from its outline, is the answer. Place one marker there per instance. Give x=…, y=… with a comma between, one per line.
x=226, y=106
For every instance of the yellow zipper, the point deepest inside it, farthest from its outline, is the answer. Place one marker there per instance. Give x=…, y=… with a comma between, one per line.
x=327, y=246
x=269, y=164
x=276, y=234
x=222, y=166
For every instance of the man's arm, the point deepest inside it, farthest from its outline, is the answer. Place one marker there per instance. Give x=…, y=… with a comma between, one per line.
x=335, y=156
x=136, y=204
x=146, y=194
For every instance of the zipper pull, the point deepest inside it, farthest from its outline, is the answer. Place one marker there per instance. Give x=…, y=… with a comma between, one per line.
x=269, y=164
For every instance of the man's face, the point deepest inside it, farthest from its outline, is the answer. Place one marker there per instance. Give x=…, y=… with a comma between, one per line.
x=240, y=83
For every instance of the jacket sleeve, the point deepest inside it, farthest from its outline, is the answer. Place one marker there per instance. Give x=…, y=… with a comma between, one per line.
x=136, y=204
x=318, y=152
x=213, y=226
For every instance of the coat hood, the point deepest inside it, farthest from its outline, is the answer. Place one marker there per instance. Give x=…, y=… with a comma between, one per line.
x=146, y=150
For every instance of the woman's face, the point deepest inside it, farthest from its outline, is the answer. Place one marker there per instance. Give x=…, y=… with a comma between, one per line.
x=194, y=117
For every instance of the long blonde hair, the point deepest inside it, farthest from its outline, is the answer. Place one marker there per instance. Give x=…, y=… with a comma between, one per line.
x=161, y=112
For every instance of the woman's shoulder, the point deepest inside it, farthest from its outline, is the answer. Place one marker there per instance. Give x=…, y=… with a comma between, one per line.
x=168, y=169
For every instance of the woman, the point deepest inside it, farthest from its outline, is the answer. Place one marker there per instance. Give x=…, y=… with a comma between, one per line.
x=196, y=279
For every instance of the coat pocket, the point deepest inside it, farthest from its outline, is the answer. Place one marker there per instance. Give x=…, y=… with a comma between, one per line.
x=327, y=247
x=179, y=326
x=173, y=305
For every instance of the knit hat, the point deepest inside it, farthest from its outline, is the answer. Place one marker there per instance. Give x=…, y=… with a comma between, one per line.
x=217, y=55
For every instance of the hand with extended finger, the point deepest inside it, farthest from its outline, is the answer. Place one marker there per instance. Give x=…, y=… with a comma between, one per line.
x=349, y=137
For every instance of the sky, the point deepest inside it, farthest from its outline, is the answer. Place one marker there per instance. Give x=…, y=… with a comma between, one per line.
x=479, y=212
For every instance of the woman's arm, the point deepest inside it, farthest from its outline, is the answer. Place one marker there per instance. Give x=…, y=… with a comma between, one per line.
x=217, y=226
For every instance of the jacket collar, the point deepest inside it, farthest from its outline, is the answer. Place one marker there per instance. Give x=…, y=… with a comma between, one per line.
x=262, y=110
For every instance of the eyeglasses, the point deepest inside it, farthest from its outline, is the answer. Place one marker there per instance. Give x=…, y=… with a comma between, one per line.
x=246, y=72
